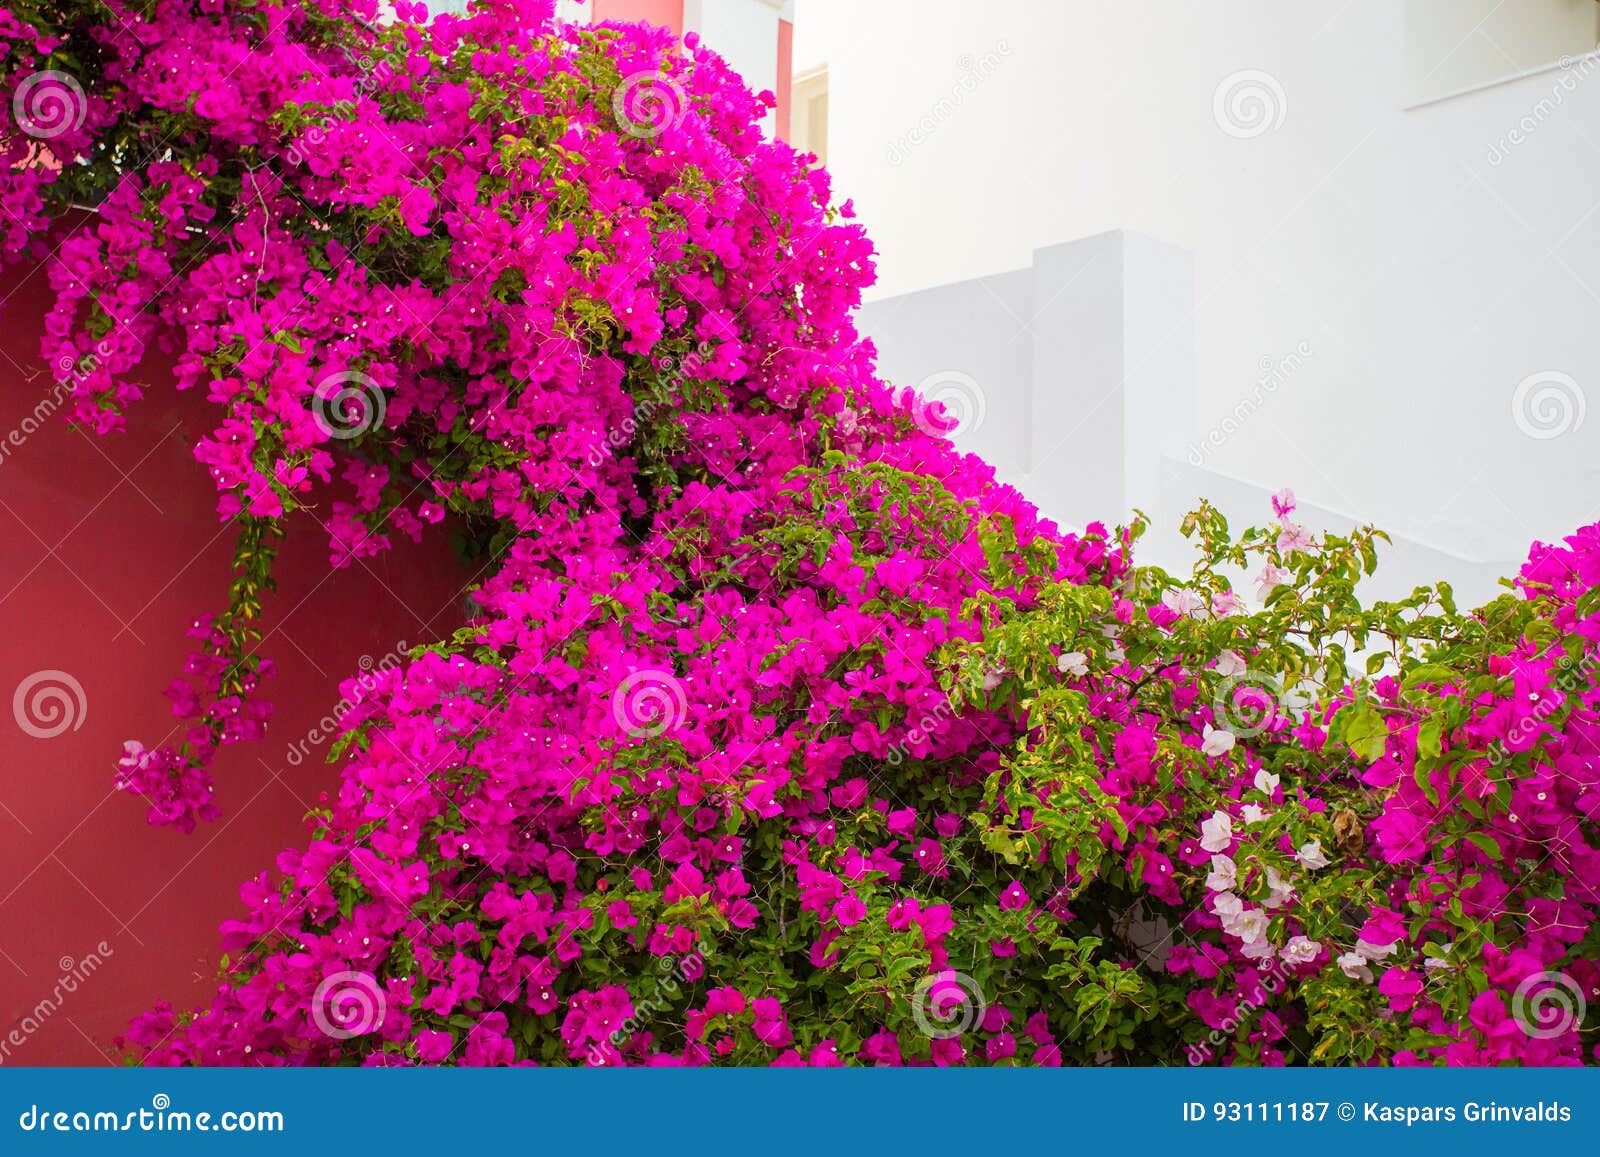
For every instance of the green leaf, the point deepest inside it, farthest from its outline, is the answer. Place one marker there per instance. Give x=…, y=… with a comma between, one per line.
x=1425, y=782
x=1431, y=673
x=1364, y=731
x=1430, y=736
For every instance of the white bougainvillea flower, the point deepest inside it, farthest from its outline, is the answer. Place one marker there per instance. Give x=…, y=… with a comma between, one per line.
x=1354, y=965
x=1216, y=832
x=1375, y=952
x=1312, y=856
x=1281, y=890
x=1216, y=740
x=1224, y=874
x=1249, y=925
x=1258, y=949
x=1073, y=663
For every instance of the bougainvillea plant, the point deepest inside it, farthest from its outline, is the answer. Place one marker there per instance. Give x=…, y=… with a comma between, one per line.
x=785, y=734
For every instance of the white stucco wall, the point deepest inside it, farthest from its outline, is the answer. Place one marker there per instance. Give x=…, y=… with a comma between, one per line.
x=1431, y=259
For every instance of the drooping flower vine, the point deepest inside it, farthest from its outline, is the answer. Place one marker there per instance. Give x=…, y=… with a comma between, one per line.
x=785, y=733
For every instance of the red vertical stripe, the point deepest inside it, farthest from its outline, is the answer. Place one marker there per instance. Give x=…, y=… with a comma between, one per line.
x=785, y=77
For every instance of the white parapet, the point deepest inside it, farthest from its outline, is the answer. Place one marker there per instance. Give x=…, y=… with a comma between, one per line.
x=1076, y=379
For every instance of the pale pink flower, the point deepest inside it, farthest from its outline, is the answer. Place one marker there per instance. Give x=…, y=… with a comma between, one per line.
x=1224, y=874
x=1354, y=965
x=1248, y=925
x=1229, y=664
x=1292, y=537
x=1225, y=603
x=1300, y=950
x=1269, y=580
x=1184, y=603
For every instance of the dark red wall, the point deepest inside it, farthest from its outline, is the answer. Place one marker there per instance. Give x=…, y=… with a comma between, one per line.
x=109, y=546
